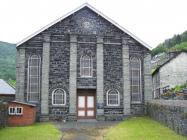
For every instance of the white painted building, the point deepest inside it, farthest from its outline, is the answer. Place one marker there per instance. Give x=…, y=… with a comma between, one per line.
x=171, y=73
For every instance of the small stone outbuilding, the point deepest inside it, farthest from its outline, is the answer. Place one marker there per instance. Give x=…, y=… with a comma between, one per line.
x=21, y=114
x=171, y=73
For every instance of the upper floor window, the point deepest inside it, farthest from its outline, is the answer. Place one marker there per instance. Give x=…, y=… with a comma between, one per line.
x=33, y=78
x=59, y=97
x=86, y=66
x=113, y=98
x=135, y=71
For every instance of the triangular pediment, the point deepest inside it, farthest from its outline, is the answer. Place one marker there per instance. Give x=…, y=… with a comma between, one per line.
x=88, y=18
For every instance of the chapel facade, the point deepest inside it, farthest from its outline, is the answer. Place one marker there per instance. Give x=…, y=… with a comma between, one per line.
x=84, y=66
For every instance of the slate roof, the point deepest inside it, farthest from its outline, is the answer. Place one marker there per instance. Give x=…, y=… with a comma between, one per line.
x=157, y=69
x=24, y=103
x=5, y=88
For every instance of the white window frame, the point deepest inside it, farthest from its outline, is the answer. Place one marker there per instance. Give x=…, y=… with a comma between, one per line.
x=90, y=67
x=15, y=111
x=117, y=98
x=29, y=93
x=11, y=113
x=64, y=97
x=140, y=80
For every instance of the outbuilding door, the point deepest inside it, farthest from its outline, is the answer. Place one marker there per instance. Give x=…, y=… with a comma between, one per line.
x=86, y=104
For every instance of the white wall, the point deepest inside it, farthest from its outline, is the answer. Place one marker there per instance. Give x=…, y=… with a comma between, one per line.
x=175, y=72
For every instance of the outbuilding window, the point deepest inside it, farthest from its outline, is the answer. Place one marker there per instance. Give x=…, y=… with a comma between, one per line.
x=34, y=78
x=113, y=98
x=58, y=97
x=135, y=71
x=15, y=110
x=86, y=66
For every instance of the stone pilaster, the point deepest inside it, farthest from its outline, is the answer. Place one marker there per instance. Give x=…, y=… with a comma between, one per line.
x=45, y=79
x=100, y=86
x=20, y=74
x=73, y=77
x=147, y=78
x=126, y=78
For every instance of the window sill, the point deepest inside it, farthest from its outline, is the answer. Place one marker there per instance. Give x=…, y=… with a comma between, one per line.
x=59, y=105
x=113, y=106
x=136, y=103
x=86, y=77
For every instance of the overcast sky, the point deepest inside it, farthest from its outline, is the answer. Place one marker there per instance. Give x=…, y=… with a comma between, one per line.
x=151, y=20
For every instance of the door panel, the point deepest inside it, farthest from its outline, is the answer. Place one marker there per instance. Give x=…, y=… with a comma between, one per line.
x=81, y=113
x=81, y=101
x=90, y=101
x=90, y=113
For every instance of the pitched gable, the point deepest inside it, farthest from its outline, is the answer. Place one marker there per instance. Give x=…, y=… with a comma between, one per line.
x=85, y=20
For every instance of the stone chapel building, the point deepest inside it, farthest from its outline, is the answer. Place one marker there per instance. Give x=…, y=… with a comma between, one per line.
x=84, y=66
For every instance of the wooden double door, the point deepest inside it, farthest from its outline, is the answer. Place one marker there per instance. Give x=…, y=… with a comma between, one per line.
x=86, y=104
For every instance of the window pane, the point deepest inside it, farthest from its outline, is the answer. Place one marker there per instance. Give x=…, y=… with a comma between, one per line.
x=19, y=110
x=86, y=66
x=59, y=97
x=34, y=62
x=113, y=97
x=90, y=102
x=135, y=66
x=87, y=63
x=33, y=71
x=86, y=72
x=81, y=101
x=33, y=78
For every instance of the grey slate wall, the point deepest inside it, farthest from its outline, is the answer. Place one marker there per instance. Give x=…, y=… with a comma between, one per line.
x=65, y=52
x=172, y=113
x=59, y=74
x=113, y=78
x=89, y=49
x=137, y=50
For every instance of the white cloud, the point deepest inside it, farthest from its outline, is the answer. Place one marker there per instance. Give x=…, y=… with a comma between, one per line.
x=151, y=20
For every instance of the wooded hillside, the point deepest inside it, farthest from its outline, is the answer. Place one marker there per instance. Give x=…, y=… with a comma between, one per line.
x=176, y=43
x=7, y=61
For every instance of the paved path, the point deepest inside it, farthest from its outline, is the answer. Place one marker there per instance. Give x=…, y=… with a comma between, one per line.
x=84, y=130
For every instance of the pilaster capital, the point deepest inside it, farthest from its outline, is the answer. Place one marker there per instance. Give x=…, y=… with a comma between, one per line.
x=46, y=38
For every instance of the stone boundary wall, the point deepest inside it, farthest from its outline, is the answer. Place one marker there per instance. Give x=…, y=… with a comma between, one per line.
x=172, y=113
x=3, y=115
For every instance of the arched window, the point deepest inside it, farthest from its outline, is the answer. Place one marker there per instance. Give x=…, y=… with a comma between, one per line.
x=113, y=98
x=58, y=97
x=135, y=71
x=33, y=88
x=86, y=66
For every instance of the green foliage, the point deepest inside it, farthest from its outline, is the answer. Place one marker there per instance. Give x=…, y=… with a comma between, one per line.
x=141, y=128
x=180, y=47
x=176, y=43
x=12, y=82
x=179, y=88
x=7, y=61
x=159, y=49
x=39, y=131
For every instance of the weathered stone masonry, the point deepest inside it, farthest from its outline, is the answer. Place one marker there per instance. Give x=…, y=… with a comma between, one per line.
x=61, y=47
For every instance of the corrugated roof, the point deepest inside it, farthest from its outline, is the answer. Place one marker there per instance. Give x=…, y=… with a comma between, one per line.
x=79, y=8
x=5, y=88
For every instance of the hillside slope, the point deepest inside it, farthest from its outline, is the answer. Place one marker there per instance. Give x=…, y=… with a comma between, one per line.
x=176, y=43
x=7, y=61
